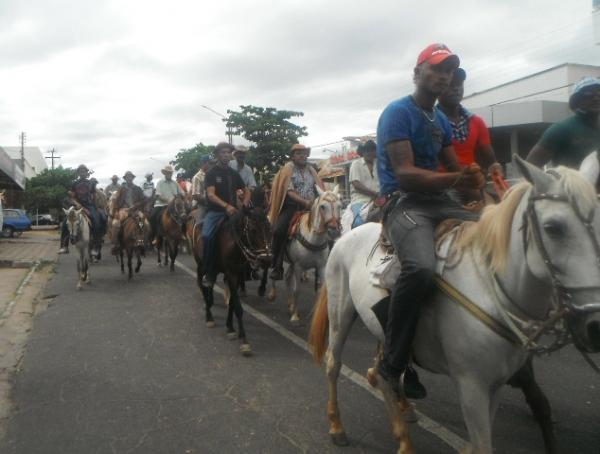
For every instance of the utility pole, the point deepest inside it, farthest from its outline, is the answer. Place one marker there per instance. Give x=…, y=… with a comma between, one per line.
x=229, y=131
x=23, y=138
x=52, y=157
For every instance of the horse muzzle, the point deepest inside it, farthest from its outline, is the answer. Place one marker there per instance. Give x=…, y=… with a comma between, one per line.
x=333, y=231
x=585, y=327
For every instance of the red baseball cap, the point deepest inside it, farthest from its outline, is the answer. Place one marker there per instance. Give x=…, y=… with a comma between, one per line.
x=436, y=53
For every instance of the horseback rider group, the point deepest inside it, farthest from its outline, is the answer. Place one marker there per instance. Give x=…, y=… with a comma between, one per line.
x=429, y=160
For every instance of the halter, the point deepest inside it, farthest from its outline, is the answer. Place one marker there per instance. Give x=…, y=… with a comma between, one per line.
x=174, y=214
x=332, y=222
x=76, y=235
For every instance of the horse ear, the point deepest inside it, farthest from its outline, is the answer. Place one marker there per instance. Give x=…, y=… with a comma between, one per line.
x=536, y=176
x=590, y=168
x=65, y=211
x=319, y=190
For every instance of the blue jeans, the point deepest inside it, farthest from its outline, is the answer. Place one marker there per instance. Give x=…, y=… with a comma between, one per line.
x=210, y=226
x=357, y=220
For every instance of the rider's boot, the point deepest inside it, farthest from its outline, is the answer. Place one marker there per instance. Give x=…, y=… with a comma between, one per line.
x=277, y=273
x=413, y=388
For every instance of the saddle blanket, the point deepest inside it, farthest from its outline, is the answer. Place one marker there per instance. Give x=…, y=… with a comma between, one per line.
x=384, y=266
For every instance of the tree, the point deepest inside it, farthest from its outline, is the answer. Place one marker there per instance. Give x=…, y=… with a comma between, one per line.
x=188, y=159
x=45, y=192
x=271, y=132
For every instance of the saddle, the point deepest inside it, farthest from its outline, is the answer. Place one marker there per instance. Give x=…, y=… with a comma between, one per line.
x=295, y=224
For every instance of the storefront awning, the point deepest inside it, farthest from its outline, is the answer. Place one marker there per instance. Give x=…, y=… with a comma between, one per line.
x=11, y=176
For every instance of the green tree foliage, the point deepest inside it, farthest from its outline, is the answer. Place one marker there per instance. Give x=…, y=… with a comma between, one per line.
x=45, y=192
x=271, y=132
x=188, y=160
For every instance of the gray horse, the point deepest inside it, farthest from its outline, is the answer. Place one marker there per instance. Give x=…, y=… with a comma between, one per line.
x=79, y=236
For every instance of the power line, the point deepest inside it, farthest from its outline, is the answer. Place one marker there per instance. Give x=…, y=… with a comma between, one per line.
x=52, y=157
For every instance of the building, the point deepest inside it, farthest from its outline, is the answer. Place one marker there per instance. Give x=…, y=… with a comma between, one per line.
x=16, y=169
x=518, y=112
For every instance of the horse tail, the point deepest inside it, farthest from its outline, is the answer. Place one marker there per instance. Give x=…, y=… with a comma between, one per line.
x=317, y=337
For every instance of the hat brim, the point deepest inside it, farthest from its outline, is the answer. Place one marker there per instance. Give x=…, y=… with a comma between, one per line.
x=164, y=172
x=440, y=58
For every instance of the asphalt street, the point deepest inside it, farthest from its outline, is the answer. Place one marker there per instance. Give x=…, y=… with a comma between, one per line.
x=129, y=367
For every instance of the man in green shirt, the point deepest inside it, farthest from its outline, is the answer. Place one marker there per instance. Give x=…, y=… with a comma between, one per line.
x=568, y=142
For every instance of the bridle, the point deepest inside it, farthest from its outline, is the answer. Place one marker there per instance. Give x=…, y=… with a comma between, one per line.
x=246, y=243
x=75, y=230
x=332, y=222
x=174, y=212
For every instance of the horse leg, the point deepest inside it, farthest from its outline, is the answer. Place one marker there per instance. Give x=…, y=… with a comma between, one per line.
x=242, y=289
x=122, y=262
x=129, y=259
x=238, y=310
x=79, y=272
x=263, y=282
x=208, y=295
x=231, y=334
x=524, y=379
x=341, y=318
x=273, y=292
x=158, y=249
x=86, y=268
x=138, y=254
x=292, y=278
x=174, y=252
x=477, y=401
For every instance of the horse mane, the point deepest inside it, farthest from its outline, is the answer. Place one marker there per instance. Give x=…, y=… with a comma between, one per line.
x=492, y=233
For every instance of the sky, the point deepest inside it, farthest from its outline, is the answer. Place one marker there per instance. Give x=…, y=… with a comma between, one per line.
x=121, y=84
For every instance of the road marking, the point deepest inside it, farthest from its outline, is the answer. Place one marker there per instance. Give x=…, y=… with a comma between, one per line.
x=425, y=422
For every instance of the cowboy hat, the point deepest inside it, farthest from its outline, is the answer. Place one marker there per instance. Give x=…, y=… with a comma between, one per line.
x=82, y=167
x=299, y=147
x=240, y=149
x=128, y=173
x=167, y=169
x=114, y=177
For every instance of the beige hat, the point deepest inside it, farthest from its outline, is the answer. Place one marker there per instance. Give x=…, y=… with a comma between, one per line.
x=240, y=149
x=167, y=169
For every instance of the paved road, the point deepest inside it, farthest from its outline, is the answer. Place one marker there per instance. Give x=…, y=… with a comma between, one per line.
x=129, y=367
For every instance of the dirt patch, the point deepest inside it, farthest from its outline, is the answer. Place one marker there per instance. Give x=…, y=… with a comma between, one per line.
x=16, y=323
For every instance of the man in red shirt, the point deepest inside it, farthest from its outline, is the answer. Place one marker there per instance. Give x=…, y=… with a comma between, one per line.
x=470, y=136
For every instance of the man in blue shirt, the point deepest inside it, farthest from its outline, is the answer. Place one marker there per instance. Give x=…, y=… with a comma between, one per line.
x=413, y=138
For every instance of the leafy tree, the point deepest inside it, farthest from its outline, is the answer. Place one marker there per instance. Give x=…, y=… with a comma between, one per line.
x=45, y=192
x=271, y=132
x=188, y=159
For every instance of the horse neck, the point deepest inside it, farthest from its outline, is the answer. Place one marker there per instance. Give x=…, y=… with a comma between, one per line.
x=312, y=223
x=527, y=291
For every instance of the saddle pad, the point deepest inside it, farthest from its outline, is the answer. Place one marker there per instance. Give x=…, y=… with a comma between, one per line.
x=384, y=267
x=295, y=223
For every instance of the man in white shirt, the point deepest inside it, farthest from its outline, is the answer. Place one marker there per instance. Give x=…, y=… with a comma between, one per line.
x=166, y=190
x=239, y=165
x=364, y=182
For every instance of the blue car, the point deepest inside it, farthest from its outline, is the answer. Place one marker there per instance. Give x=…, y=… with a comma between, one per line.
x=15, y=222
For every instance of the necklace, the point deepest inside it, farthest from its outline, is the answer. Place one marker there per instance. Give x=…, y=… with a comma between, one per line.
x=429, y=119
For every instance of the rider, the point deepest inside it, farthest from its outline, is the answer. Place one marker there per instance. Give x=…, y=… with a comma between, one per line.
x=101, y=202
x=239, y=165
x=568, y=142
x=113, y=187
x=222, y=183
x=364, y=182
x=293, y=190
x=166, y=190
x=470, y=135
x=198, y=189
x=412, y=138
x=129, y=195
x=148, y=186
x=82, y=193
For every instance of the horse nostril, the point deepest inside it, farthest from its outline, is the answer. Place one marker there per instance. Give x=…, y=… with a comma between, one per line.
x=593, y=332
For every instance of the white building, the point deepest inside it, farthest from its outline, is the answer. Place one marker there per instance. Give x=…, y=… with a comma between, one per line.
x=518, y=112
x=34, y=162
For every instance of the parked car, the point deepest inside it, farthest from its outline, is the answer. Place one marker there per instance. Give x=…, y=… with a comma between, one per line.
x=43, y=219
x=15, y=222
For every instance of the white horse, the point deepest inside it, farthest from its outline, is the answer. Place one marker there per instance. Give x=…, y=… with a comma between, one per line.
x=531, y=261
x=79, y=235
x=309, y=247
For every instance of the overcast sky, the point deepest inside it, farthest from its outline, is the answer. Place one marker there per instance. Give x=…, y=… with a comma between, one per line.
x=120, y=84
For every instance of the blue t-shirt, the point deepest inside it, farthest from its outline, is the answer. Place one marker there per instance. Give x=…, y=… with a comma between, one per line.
x=403, y=119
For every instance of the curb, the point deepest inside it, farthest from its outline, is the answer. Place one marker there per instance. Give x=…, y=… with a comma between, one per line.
x=24, y=263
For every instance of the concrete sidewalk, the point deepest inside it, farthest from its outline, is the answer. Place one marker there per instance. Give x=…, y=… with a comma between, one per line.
x=39, y=246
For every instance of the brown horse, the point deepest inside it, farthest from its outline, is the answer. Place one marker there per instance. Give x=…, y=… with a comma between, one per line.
x=241, y=239
x=171, y=229
x=132, y=239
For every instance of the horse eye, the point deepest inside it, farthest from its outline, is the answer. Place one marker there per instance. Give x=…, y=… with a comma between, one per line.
x=554, y=228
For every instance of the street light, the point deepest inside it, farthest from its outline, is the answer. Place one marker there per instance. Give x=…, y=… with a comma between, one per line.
x=229, y=132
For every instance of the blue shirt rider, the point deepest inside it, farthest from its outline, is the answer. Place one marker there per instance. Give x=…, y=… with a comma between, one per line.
x=412, y=139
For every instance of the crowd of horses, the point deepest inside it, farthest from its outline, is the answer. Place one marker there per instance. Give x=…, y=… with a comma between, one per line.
x=528, y=269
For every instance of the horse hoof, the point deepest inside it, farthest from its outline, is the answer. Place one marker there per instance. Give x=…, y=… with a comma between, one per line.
x=339, y=439
x=408, y=412
x=246, y=350
x=271, y=297
x=232, y=335
x=295, y=322
x=372, y=377
x=210, y=324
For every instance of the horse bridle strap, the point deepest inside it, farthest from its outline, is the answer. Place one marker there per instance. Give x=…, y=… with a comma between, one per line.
x=308, y=245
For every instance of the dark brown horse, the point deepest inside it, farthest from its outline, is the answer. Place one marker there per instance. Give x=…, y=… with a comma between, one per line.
x=243, y=238
x=171, y=230
x=132, y=239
